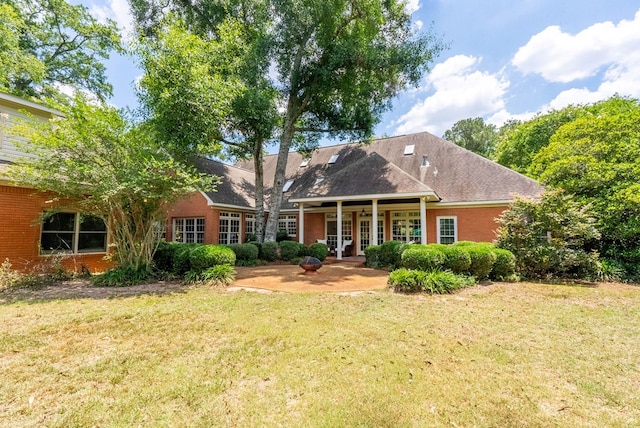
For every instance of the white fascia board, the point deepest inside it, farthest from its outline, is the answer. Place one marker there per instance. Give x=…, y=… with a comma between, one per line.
x=216, y=204
x=368, y=197
x=21, y=102
x=469, y=204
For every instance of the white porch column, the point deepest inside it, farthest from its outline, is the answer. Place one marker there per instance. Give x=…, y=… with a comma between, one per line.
x=339, y=224
x=423, y=221
x=301, y=223
x=374, y=222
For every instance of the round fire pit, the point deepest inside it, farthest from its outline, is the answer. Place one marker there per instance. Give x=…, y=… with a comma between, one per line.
x=310, y=265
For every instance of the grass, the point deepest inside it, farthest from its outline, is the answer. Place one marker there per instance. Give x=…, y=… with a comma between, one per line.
x=503, y=355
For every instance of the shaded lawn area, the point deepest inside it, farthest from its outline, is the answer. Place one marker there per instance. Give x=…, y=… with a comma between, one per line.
x=498, y=355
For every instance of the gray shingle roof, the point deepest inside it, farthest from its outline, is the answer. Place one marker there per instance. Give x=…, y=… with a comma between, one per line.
x=454, y=174
x=236, y=186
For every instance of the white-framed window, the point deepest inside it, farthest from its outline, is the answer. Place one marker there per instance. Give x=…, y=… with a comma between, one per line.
x=73, y=233
x=380, y=227
x=188, y=230
x=229, y=232
x=249, y=224
x=288, y=223
x=405, y=226
x=331, y=227
x=447, y=229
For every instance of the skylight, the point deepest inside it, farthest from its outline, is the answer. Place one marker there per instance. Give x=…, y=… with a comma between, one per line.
x=333, y=159
x=319, y=180
x=287, y=185
x=305, y=162
x=408, y=150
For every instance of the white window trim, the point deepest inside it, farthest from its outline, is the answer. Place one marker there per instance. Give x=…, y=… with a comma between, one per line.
x=230, y=216
x=289, y=219
x=406, y=216
x=455, y=226
x=195, y=229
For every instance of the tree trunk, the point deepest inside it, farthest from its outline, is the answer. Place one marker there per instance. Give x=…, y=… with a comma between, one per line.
x=281, y=167
x=258, y=162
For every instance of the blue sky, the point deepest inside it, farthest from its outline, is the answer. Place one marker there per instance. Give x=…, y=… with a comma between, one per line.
x=506, y=59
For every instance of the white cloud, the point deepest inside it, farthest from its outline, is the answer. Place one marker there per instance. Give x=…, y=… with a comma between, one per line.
x=412, y=6
x=460, y=91
x=117, y=10
x=561, y=57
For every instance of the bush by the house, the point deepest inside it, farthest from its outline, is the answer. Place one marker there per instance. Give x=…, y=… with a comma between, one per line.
x=182, y=258
x=202, y=257
x=121, y=277
x=269, y=251
x=215, y=275
x=482, y=258
x=163, y=258
x=456, y=259
x=433, y=282
x=282, y=235
x=319, y=251
x=372, y=256
x=289, y=250
x=504, y=267
x=422, y=257
x=246, y=254
x=390, y=254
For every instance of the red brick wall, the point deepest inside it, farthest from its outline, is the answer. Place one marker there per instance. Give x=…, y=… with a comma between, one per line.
x=195, y=206
x=474, y=224
x=313, y=227
x=20, y=211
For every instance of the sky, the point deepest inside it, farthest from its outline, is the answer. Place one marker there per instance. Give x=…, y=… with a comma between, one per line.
x=505, y=59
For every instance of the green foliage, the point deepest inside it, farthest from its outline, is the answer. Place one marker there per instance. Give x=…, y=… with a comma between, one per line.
x=372, y=256
x=45, y=45
x=319, y=251
x=474, y=135
x=182, y=258
x=202, y=257
x=422, y=257
x=595, y=159
x=122, y=277
x=548, y=237
x=246, y=254
x=282, y=235
x=456, y=259
x=118, y=172
x=165, y=256
x=504, y=266
x=433, y=282
x=390, y=254
x=215, y=275
x=269, y=251
x=290, y=249
x=482, y=259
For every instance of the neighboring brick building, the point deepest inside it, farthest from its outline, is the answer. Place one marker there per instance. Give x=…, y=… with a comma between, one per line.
x=420, y=187
x=34, y=234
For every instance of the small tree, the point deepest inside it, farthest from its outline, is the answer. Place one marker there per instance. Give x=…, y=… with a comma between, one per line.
x=474, y=135
x=108, y=168
x=550, y=236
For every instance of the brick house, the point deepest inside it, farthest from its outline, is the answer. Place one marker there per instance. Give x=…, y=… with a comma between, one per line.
x=34, y=232
x=419, y=188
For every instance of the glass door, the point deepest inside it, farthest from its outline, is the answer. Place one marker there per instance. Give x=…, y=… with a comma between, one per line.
x=364, y=235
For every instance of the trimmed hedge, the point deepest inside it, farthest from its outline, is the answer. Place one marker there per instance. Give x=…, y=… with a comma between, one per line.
x=372, y=256
x=289, y=250
x=182, y=258
x=432, y=282
x=203, y=257
x=390, y=254
x=422, y=257
x=269, y=251
x=456, y=259
x=505, y=265
x=482, y=260
x=319, y=251
x=163, y=258
x=246, y=254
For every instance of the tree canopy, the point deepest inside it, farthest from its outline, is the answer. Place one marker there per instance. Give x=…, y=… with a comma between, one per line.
x=317, y=68
x=474, y=135
x=47, y=45
x=109, y=168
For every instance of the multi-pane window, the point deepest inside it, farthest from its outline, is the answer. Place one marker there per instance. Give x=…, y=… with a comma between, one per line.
x=229, y=228
x=405, y=226
x=332, y=229
x=288, y=223
x=447, y=230
x=249, y=225
x=188, y=230
x=73, y=233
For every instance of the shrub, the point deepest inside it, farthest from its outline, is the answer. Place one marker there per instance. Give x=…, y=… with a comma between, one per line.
x=372, y=256
x=432, y=282
x=482, y=260
x=182, y=258
x=163, y=258
x=422, y=257
x=122, y=277
x=456, y=259
x=391, y=253
x=289, y=250
x=215, y=275
x=505, y=265
x=203, y=257
x=319, y=251
x=282, y=235
x=269, y=251
x=246, y=254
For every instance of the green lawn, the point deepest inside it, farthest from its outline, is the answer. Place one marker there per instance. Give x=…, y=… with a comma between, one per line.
x=502, y=355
